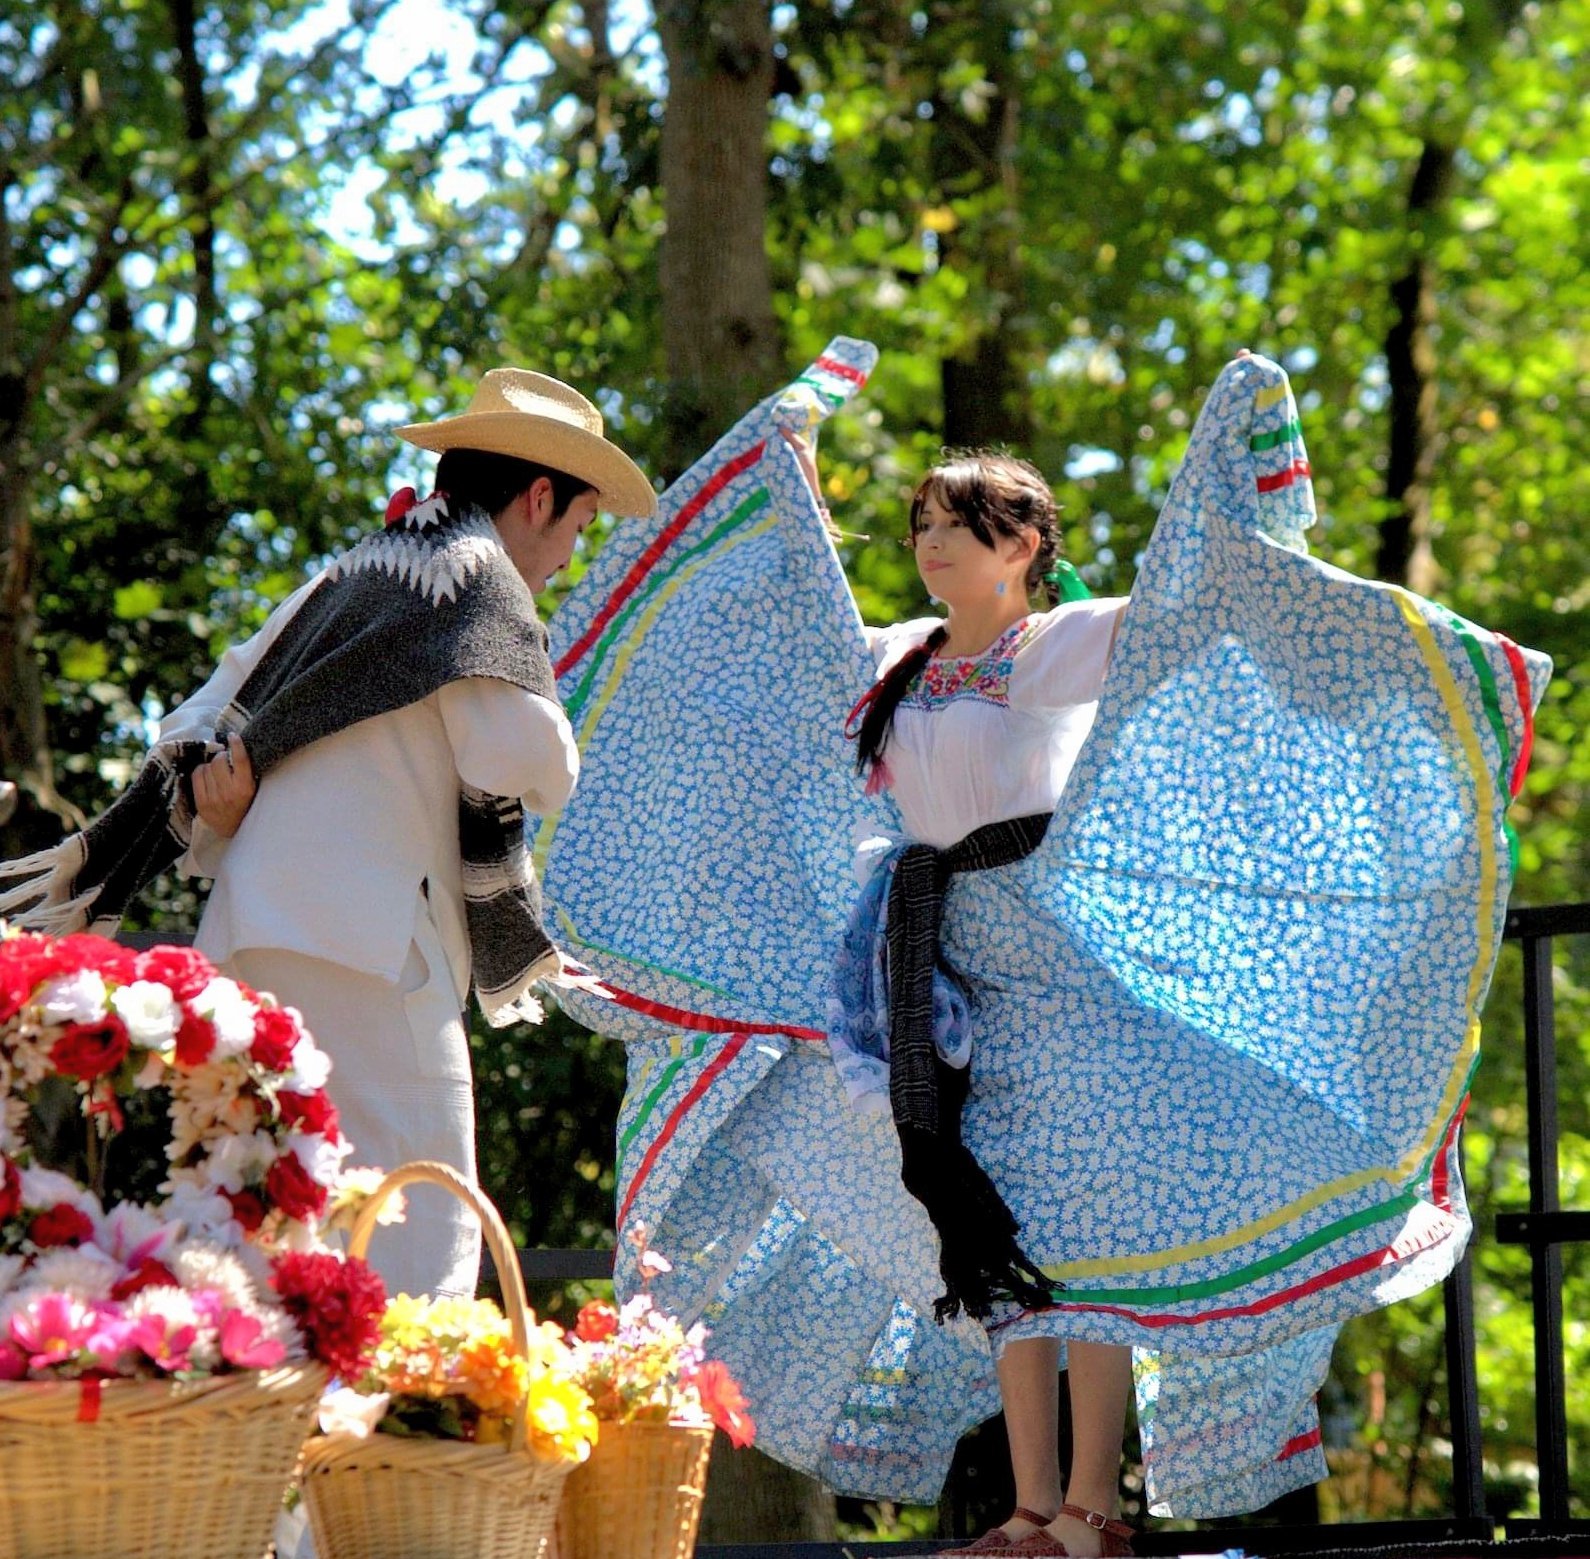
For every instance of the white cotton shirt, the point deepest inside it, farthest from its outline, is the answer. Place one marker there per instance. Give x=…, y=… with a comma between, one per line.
x=982, y=738
x=349, y=837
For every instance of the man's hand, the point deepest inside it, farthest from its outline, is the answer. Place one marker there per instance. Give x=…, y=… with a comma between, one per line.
x=223, y=788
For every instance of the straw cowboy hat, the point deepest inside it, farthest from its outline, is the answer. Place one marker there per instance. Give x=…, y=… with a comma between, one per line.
x=534, y=417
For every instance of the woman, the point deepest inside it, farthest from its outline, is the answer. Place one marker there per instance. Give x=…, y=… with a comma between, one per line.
x=976, y=719
x=1206, y=1114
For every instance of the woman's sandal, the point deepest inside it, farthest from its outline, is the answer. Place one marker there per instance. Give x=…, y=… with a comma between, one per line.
x=996, y=1541
x=1114, y=1536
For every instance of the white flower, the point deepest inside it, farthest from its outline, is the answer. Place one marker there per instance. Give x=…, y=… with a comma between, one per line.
x=654, y=1264
x=204, y=1264
x=85, y=1273
x=354, y=1188
x=322, y=1160
x=232, y=1013
x=128, y=1227
x=309, y=1068
x=350, y=1412
x=150, y=1012
x=202, y=1212
x=74, y=998
x=235, y=1161
x=49, y=1188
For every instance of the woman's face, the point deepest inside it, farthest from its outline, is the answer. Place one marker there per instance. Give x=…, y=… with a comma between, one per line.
x=962, y=571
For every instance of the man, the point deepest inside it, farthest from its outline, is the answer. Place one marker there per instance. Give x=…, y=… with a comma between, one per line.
x=400, y=714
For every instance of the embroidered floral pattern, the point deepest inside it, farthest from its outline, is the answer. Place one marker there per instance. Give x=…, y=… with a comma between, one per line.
x=985, y=677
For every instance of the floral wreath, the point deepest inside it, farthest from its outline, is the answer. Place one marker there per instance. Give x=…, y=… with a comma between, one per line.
x=255, y=1148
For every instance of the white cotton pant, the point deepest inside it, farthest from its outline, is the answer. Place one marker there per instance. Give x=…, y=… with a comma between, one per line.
x=401, y=1083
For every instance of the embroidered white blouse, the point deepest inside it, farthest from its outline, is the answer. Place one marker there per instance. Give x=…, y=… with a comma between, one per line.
x=981, y=738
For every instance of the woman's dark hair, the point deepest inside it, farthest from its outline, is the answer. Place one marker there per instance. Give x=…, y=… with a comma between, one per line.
x=493, y=481
x=994, y=494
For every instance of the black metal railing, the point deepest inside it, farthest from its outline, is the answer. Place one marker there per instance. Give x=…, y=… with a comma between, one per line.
x=1545, y=1227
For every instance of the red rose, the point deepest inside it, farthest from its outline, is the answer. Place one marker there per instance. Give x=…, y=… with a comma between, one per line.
x=337, y=1305
x=82, y=950
x=247, y=1209
x=275, y=1034
x=720, y=1396
x=149, y=1273
x=596, y=1321
x=62, y=1224
x=16, y=984
x=13, y=1361
x=184, y=971
x=195, y=1039
x=10, y=1190
x=90, y=1050
x=310, y=1113
x=288, y=1186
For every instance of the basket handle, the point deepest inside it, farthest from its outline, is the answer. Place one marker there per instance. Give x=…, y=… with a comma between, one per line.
x=516, y=1304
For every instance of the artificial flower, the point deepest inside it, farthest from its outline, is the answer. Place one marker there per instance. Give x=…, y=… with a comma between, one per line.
x=243, y=1342
x=184, y=971
x=195, y=1039
x=596, y=1321
x=350, y=1412
x=91, y=1049
x=52, y=1329
x=150, y=1013
x=559, y=1419
x=289, y=1185
x=62, y=1224
x=75, y=998
x=229, y=1011
x=276, y=1031
x=10, y=1189
x=722, y=1401
x=337, y=1304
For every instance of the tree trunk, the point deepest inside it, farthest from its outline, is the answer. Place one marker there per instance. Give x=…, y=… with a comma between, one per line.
x=985, y=399
x=720, y=339
x=1404, y=554
x=41, y=812
x=722, y=353
x=753, y=1499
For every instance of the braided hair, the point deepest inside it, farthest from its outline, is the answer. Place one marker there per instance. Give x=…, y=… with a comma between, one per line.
x=994, y=494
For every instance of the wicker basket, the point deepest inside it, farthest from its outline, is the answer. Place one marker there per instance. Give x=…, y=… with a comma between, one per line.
x=639, y=1496
x=153, y=1469
x=383, y=1497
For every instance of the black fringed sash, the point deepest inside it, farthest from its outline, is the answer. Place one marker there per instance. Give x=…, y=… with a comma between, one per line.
x=980, y=1259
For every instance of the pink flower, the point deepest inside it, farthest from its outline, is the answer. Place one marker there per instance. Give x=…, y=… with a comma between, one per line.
x=166, y=1346
x=52, y=1329
x=111, y=1337
x=244, y=1345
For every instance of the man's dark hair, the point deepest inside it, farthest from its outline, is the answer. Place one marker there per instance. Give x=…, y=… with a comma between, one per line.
x=494, y=481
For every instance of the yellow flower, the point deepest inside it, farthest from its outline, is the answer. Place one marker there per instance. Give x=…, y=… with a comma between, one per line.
x=560, y=1419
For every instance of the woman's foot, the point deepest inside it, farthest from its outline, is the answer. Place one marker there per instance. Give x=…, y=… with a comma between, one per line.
x=1083, y=1534
x=1001, y=1539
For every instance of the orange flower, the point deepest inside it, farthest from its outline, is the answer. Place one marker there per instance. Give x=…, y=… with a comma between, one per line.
x=720, y=1396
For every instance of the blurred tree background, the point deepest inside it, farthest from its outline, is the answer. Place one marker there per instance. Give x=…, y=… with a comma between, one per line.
x=239, y=242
